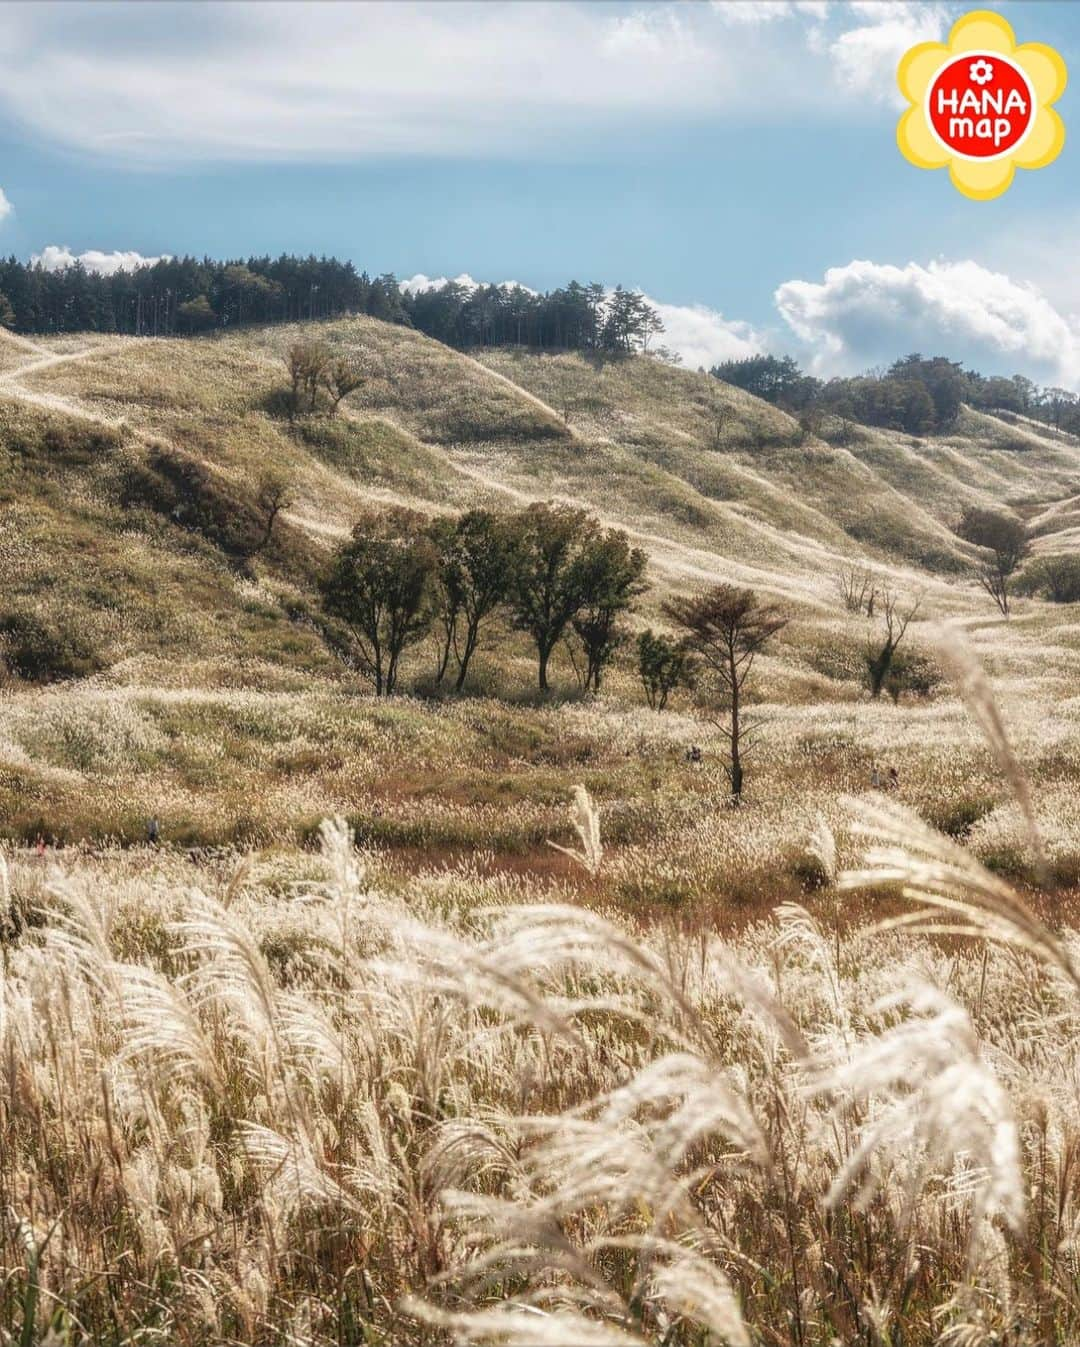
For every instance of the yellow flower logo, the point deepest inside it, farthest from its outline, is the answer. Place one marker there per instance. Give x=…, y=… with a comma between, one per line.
x=981, y=105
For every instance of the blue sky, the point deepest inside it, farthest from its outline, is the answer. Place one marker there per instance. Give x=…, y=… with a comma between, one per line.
x=735, y=161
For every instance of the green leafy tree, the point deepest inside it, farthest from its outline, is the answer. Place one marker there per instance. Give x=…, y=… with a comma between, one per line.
x=381, y=587
x=1004, y=539
x=476, y=559
x=663, y=664
x=612, y=574
x=549, y=584
x=728, y=627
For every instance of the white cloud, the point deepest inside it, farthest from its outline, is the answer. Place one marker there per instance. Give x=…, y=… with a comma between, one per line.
x=704, y=337
x=754, y=12
x=866, y=313
x=6, y=207
x=418, y=284
x=341, y=80
x=866, y=56
x=54, y=257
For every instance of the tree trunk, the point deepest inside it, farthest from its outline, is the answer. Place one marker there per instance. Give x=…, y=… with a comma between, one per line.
x=545, y=655
x=467, y=654
x=736, y=732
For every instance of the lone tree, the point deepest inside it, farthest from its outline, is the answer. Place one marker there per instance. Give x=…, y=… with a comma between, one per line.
x=475, y=560
x=380, y=586
x=549, y=578
x=1006, y=540
x=274, y=494
x=728, y=627
x=612, y=573
x=858, y=589
x=306, y=362
x=662, y=665
x=879, y=655
x=340, y=378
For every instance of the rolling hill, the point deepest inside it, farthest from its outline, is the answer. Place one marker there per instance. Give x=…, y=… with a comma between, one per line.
x=200, y=685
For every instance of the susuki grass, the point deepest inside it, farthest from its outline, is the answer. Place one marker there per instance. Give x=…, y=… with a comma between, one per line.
x=276, y=1102
x=799, y=1073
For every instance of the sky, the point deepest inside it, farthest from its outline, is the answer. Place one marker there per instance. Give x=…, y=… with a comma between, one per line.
x=734, y=161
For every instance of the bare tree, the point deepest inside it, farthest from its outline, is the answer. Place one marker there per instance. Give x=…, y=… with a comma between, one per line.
x=858, y=589
x=1006, y=541
x=305, y=362
x=274, y=494
x=879, y=655
x=340, y=378
x=728, y=627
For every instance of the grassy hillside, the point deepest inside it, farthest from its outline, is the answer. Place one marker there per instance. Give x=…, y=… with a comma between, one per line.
x=199, y=687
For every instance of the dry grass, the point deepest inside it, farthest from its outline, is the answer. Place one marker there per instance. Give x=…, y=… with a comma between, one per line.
x=674, y=1079
x=275, y=1102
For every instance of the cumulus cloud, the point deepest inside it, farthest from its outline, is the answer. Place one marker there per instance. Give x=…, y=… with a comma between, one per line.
x=704, y=337
x=866, y=313
x=5, y=206
x=55, y=257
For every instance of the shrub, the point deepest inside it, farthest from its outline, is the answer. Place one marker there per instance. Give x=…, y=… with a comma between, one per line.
x=47, y=647
x=1055, y=578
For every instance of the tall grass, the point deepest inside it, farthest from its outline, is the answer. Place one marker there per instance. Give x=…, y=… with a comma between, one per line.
x=279, y=1104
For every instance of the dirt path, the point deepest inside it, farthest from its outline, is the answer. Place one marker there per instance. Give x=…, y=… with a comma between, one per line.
x=522, y=392
x=10, y=385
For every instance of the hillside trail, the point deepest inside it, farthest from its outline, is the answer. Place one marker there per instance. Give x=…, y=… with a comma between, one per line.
x=522, y=393
x=11, y=386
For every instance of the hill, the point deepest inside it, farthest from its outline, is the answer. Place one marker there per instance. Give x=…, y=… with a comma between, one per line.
x=197, y=682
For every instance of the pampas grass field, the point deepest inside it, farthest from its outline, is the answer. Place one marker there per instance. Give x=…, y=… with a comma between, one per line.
x=275, y=1101
x=488, y=1019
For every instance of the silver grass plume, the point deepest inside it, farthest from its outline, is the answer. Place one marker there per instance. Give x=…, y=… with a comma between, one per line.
x=515, y=1325
x=585, y=816
x=930, y=1093
x=974, y=686
x=958, y=895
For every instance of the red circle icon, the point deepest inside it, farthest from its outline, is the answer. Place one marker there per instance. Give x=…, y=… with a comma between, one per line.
x=980, y=105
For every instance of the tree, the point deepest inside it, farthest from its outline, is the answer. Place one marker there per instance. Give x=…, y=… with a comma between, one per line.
x=1005, y=539
x=858, y=589
x=7, y=313
x=306, y=362
x=340, y=378
x=380, y=586
x=195, y=315
x=274, y=494
x=1057, y=578
x=612, y=579
x=913, y=672
x=728, y=627
x=475, y=560
x=549, y=584
x=879, y=655
x=662, y=666
x=775, y=379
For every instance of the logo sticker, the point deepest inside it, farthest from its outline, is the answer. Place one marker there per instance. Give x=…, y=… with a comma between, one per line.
x=981, y=105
